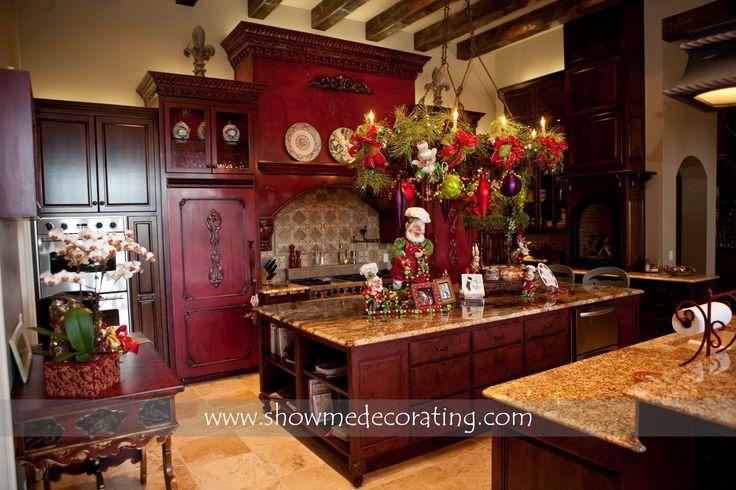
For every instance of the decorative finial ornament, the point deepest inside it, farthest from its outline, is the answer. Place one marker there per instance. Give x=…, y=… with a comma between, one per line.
x=437, y=86
x=199, y=51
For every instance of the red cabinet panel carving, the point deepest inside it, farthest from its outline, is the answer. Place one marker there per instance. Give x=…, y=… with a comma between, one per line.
x=211, y=281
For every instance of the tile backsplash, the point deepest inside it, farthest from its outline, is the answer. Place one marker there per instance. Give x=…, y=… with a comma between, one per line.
x=321, y=221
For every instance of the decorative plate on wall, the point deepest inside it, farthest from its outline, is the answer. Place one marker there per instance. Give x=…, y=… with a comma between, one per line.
x=303, y=142
x=339, y=145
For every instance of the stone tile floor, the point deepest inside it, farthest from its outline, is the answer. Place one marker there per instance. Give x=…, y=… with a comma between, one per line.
x=229, y=461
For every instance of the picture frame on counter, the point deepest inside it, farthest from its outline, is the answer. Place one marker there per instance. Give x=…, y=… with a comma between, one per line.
x=426, y=296
x=472, y=287
x=20, y=346
x=446, y=292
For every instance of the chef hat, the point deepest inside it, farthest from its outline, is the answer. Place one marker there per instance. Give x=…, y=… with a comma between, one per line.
x=418, y=213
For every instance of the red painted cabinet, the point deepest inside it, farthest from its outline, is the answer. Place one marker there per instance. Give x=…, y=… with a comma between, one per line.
x=211, y=249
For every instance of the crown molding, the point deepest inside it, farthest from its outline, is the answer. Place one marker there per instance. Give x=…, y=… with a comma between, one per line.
x=156, y=84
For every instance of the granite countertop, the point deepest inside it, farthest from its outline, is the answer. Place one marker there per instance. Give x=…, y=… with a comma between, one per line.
x=283, y=289
x=661, y=276
x=344, y=322
x=597, y=396
x=705, y=388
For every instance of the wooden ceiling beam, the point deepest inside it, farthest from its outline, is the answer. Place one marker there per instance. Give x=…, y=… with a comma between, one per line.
x=680, y=26
x=188, y=3
x=534, y=22
x=484, y=12
x=398, y=16
x=259, y=9
x=329, y=12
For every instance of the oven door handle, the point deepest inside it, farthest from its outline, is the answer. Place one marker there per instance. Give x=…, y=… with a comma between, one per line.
x=594, y=313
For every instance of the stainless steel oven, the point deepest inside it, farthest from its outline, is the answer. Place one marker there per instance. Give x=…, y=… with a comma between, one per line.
x=114, y=299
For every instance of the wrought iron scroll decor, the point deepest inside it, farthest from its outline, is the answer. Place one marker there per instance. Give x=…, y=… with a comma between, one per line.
x=341, y=83
x=711, y=339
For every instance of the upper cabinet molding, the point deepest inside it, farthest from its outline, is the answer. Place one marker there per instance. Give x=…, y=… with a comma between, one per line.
x=248, y=39
x=155, y=84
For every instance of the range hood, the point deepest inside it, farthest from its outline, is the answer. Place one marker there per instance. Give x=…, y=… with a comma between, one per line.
x=709, y=81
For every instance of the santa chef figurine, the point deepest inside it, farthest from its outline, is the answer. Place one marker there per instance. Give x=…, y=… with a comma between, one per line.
x=410, y=255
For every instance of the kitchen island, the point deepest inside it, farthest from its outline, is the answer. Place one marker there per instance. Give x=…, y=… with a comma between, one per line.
x=609, y=421
x=416, y=359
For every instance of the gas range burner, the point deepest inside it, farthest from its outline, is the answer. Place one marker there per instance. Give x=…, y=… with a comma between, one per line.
x=311, y=281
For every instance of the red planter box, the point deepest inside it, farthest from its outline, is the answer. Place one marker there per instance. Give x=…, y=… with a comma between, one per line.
x=81, y=379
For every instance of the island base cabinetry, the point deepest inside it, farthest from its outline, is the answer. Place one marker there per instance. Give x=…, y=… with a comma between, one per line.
x=433, y=370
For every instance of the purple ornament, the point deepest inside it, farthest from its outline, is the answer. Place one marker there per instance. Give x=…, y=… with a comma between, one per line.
x=511, y=185
x=401, y=204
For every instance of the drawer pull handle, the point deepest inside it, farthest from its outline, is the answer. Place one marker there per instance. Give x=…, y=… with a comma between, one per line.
x=442, y=349
x=547, y=347
x=442, y=373
x=548, y=326
x=499, y=337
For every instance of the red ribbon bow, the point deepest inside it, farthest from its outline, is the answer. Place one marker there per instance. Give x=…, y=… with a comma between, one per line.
x=455, y=150
x=129, y=345
x=360, y=141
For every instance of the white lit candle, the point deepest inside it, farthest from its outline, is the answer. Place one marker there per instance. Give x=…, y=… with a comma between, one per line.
x=543, y=123
x=534, y=133
x=503, y=121
x=454, y=120
x=371, y=117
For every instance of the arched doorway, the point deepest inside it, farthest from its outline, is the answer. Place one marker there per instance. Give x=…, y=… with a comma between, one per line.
x=692, y=210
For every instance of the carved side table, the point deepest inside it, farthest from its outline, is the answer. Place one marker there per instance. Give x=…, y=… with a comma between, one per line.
x=58, y=436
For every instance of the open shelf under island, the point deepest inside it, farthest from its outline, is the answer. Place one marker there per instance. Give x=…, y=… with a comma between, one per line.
x=437, y=357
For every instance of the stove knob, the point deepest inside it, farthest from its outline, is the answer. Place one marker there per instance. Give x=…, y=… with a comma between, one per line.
x=328, y=293
x=340, y=291
x=317, y=294
x=113, y=225
x=49, y=226
x=64, y=226
x=98, y=225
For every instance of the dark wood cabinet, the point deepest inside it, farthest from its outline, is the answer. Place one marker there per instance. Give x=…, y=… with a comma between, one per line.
x=147, y=310
x=17, y=168
x=96, y=158
x=211, y=266
x=528, y=102
x=126, y=163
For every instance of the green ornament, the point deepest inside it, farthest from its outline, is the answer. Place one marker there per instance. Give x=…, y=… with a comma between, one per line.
x=452, y=186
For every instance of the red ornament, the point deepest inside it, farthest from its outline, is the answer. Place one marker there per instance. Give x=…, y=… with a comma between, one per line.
x=484, y=194
x=408, y=189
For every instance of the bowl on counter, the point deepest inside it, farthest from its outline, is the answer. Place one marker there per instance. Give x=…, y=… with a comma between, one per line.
x=678, y=270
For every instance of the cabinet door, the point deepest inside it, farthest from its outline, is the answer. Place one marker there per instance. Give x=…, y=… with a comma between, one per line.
x=126, y=169
x=66, y=150
x=211, y=279
x=186, y=138
x=231, y=137
x=146, y=305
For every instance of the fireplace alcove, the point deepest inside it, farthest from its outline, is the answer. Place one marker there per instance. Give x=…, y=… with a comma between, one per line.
x=596, y=232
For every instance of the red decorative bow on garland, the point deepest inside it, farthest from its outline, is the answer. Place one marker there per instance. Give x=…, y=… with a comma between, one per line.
x=455, y=150
x=508, y=152
x=550, y=153
x=374, y=157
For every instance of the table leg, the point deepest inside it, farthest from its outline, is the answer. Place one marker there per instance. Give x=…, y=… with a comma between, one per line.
x=144, y=468
x=98, y=475
x=168, y=467
x=46, y=477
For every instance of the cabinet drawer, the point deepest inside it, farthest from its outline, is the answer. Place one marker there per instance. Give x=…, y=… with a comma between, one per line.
x=496, y=335
x=440, y=379
x=439, y=348
x=494, y=365
x=546, y=352
x=549, y=324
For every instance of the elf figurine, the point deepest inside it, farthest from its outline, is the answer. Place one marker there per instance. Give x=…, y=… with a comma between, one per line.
x=410, y=254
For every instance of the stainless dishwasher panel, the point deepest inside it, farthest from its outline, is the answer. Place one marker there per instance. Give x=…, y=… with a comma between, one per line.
x=596, y=330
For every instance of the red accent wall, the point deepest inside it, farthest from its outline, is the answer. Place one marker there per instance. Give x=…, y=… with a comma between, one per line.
x=287, y=100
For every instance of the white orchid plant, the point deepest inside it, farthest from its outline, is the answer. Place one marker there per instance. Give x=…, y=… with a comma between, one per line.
x=89, y=253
